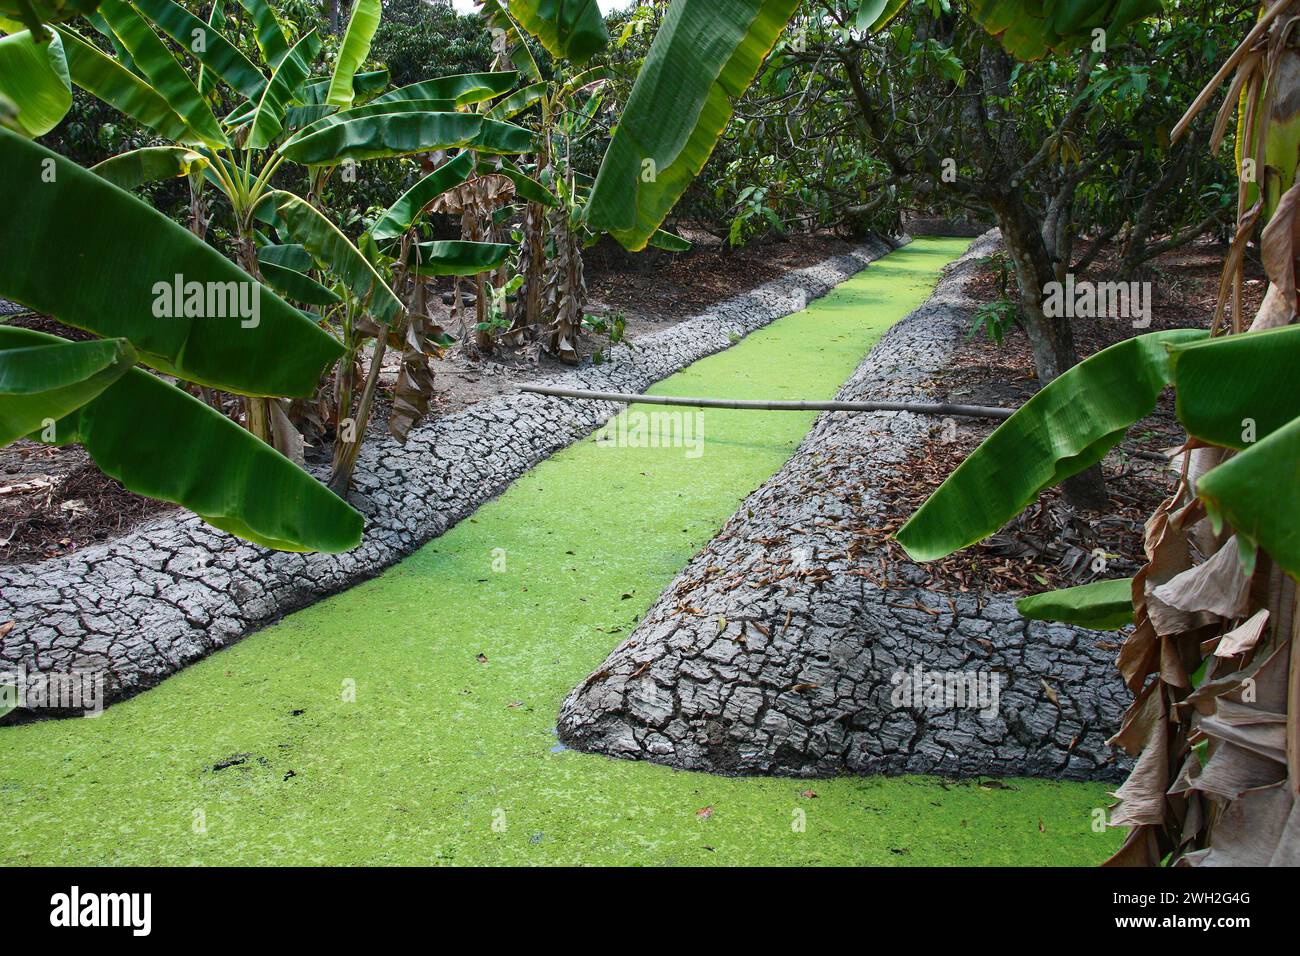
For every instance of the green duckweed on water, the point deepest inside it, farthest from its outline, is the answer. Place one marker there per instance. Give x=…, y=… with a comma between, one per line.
x=410, y=720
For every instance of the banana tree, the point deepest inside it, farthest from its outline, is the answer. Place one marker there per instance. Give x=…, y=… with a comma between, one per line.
x=137, y=426
x=284, y=113
x=393, y=245
x=562, y=109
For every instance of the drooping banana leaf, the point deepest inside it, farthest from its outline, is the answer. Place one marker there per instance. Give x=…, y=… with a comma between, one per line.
x=334, y=253
x=669, y=241
x=148, y=165
x=463, y=89
x=160, y=442
x=1258, y=492
x=97, y=258
x=573, y=29
x=353, y=51
x=270, y=38
x=34, y=77
x=402, y=214
x=1228, y=388
x=296, y=285
x=268, y=120
x=456, y=257
x=217, y=54
x=704, y=57
x=103, y=77
x=1100, y=605
x=518, y=101
x=401, y=134
x=43, y=382
x=165, y=75
x=1067, y=427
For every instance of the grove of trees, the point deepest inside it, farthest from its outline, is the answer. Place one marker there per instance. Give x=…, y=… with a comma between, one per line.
x=340, y=161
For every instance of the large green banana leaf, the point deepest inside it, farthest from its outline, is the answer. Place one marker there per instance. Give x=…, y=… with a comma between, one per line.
x=1029, y=29
x=217, y=54
x=148, y=165
x=456, y=257
x=402, y=214
x=95, y=257
x=1258, y=493
x=704, y=56
x=43, y=382
x=167, y=77
x=1101, y=605
x=34, y=76
x=289, y=76
x=105, y=78
x=160, y=442
x=270, y=38
x=463, y=89
x=370, y=109
x=566, y=28
x=333, y=252
x=1228, y=387
x=1067, y=427
x=401, y=134
x=362, y=25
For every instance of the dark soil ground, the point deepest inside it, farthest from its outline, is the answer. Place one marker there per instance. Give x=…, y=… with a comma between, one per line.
x=54, y=501
x=1051, y=545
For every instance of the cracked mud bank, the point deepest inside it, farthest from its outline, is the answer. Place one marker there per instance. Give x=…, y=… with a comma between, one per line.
x=772, y=653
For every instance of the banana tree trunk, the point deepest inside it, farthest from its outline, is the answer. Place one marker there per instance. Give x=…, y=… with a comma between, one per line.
x=257, y=411
x=345, y=453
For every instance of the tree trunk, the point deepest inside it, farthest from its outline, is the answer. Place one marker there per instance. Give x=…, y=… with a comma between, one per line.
x=257, y=411
x=1050, y=338
x=345, y=453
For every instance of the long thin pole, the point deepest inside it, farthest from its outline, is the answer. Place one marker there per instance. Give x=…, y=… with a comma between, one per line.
x=969, y=411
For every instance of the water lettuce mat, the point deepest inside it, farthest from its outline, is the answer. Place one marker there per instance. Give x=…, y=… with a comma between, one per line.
x=447, y=754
